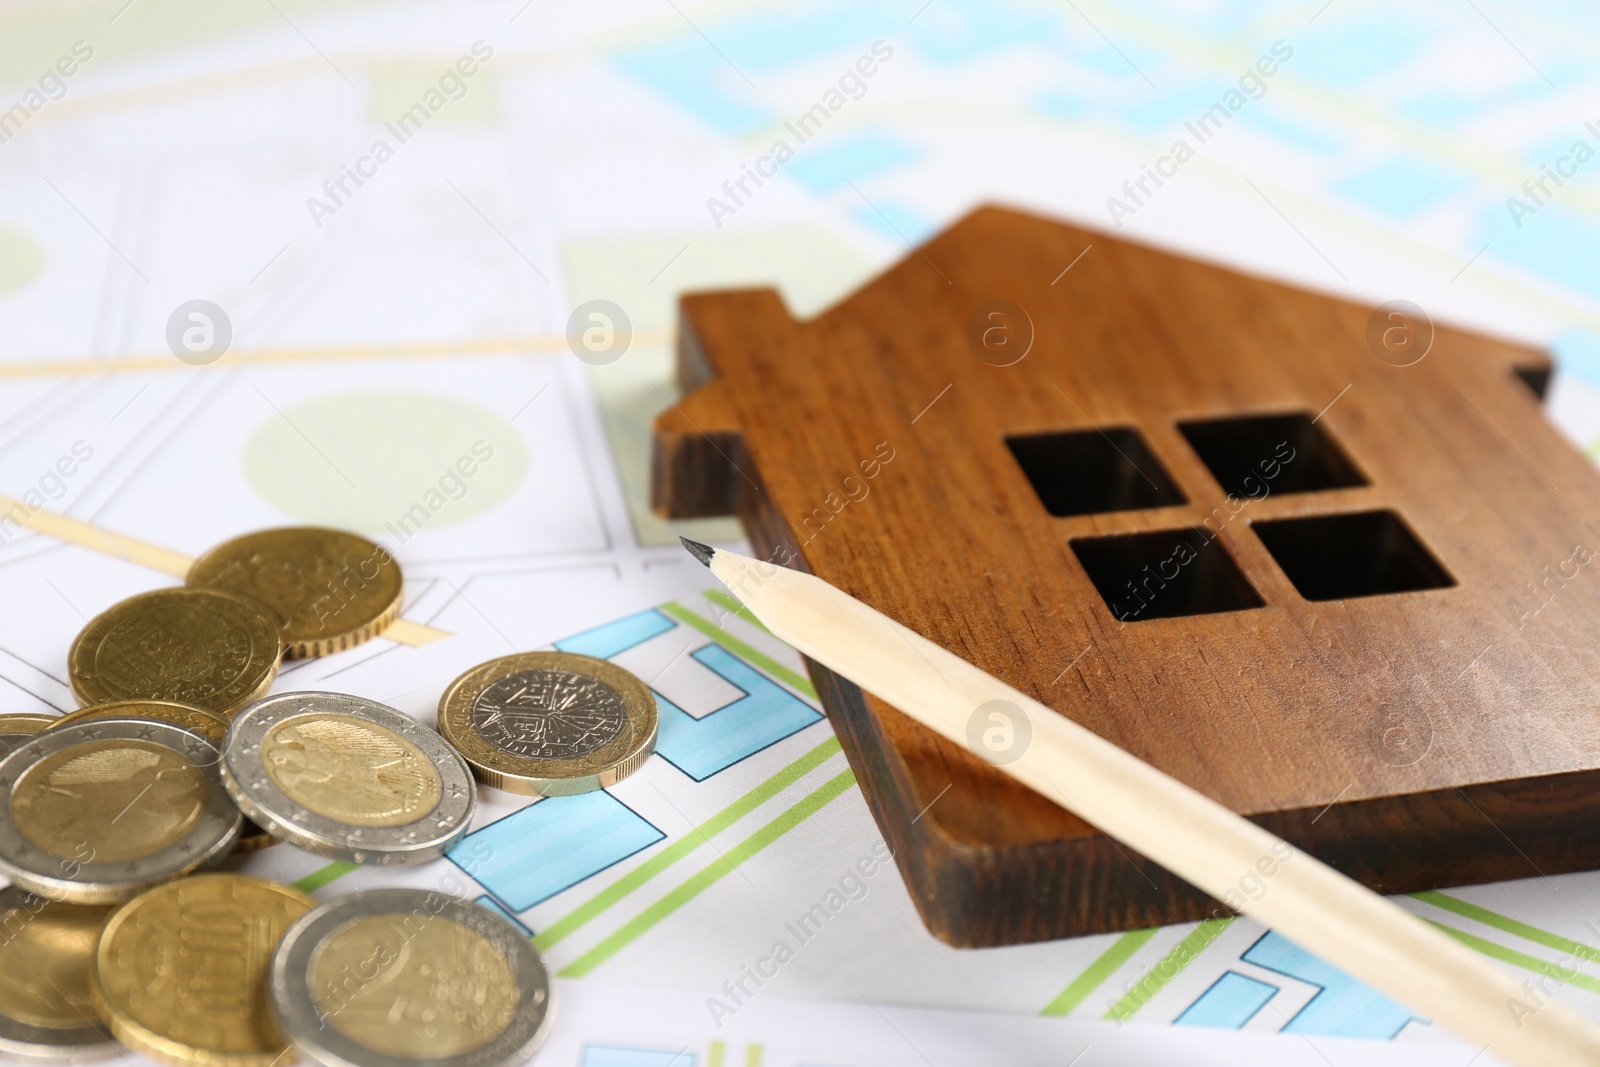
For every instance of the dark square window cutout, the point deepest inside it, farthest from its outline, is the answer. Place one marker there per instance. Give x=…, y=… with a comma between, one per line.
x=1267, y=454
x=1085, y=472
x=1337, y=557
x=1536, y=378
x=1164, y=575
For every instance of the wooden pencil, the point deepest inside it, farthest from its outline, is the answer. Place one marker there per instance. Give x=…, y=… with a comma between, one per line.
x=1188, y=833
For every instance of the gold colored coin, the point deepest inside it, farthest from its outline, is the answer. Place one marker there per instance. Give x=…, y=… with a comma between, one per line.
x=212, y=650
x=124, y=799
x=97, y=812
x=181, y=971
x=331, y=590
x=45, y=954
x=348, y=778
x=253, y=838
x=444, y=990
x=404, y=977
x=14, y=729
x=206, y=723
x=350, y=770
x=550, y=723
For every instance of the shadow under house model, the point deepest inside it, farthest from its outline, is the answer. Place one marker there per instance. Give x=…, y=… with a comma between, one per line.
x=1353, y=601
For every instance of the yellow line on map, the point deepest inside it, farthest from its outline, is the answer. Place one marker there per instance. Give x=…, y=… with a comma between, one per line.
x=414, y=634
x=165, y=361
x=121, y=546
x=83, y=534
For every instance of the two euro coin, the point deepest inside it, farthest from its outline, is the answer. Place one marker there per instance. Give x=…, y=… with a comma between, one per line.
x=394, y=977
x=347, y=778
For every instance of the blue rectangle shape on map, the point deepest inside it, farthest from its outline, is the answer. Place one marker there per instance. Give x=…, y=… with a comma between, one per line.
x=552, y=845
x=1232, y=1001
x=1342, y=1008
x=763, y=715
x=851, y=156
x=613, y=638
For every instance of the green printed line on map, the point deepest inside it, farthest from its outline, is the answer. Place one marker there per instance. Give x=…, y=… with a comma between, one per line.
x=1172, y=964
x=708, y=876
x=1567, y=974
x=1094, y=976
x=733, y=607
x=760, y=659
x=319, y=878
x=1575, y=949
x=589, y=909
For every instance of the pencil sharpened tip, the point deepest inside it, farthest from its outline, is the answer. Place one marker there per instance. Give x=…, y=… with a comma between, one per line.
x=703, y=553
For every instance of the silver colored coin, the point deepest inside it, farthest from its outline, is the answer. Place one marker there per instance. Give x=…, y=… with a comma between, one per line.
x=15, y=729
x=100, y=811
x=550, y=723
x=348, y=778
x=549, y=714
x=45, y=1011
x=397, y=977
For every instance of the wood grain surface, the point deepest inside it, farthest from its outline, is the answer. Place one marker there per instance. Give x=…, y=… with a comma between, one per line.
x=1410, y=739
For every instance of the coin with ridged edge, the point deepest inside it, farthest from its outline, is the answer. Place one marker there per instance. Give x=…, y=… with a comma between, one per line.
x=251, y=837
x=331, y=590
x=45, y=954
x=348, y=778
x=398, y=977
x=181, y=972
x=201, y=721
x=98, y=812
x=213, y=650
x=550, y=723
x=15, y=729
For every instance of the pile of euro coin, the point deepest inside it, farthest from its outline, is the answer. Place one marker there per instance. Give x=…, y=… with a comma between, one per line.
x=118, y=928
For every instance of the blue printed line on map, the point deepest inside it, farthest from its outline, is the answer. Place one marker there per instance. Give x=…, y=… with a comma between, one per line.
x=764, y=714
x=1577, y=352
x=956, y=31
x=1402, y=185
x=895, y=220
x=688, y=71
x=1232, y=1001
x=1552, y=242
x=1342, y=1006
x=615, y=638
x=1351, y=54
x=550, y=846
x=851, y=157
x=1164, y=114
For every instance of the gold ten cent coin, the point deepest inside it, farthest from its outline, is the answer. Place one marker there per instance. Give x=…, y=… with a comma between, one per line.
x=181, y=971
x=99, y=811
x=207, y=723
x=46, y=950
x=550, y=723
x=15, y=729
x=213, y=650
x=331, y=590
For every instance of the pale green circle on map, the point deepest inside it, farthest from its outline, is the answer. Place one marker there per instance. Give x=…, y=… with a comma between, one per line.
x=388, y=464
x=21, y=259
